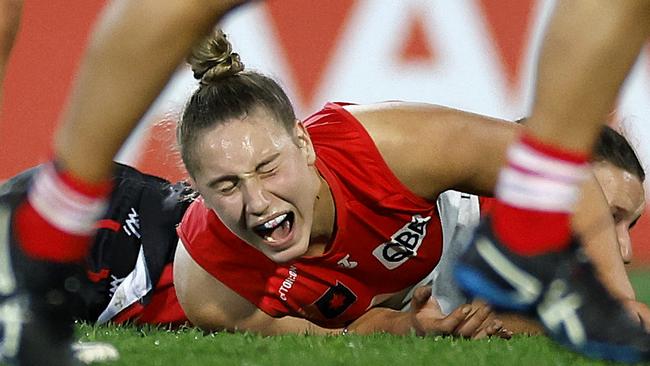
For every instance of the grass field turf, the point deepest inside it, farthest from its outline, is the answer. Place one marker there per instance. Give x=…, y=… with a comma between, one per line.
x=151, y=346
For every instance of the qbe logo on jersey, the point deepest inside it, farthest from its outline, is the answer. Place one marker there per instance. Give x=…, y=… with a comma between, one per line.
x=403, y=244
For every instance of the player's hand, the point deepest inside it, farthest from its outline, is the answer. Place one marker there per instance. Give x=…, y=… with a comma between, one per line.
x=639, y=311
x=475, y=320
x=481, y=322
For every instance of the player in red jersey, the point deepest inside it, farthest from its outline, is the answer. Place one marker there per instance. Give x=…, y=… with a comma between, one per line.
x=107, y=96
x=311, y=220
x=129, y=267
x=322, y=224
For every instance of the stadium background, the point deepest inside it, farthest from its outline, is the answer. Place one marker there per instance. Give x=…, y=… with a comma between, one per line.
x=475, y=55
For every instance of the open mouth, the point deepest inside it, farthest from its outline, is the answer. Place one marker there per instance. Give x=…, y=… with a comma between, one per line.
x=277, y=229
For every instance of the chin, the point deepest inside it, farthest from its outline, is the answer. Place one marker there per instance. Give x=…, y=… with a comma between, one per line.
x=280, y=258
x=293, y=252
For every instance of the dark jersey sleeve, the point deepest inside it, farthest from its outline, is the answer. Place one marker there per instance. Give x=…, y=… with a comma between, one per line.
x=142, y=215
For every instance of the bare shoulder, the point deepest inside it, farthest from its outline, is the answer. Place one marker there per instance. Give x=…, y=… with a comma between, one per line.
x=397, y=121
x=207, y=302
x=432, y=148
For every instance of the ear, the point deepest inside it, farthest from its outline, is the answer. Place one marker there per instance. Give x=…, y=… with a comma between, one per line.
x=193, y=186
x=304, y=142
x=192, y=183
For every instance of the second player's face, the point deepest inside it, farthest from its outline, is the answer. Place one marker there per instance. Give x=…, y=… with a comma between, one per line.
x=626, y=199
x=261, y=182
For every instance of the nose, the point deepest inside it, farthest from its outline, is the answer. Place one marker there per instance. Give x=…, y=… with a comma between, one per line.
x=624, y=243
x=255, y=197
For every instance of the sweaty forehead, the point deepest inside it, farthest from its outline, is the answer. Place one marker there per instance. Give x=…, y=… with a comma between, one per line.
x=239, y=145
x=621, y=188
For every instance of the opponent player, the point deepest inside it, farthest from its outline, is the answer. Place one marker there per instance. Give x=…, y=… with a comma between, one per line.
x=129, y=267
x=619, y=174
x=525, y=257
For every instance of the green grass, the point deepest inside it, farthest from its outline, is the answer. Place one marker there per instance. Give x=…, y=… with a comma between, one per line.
x=152, y=346
x=641, y=282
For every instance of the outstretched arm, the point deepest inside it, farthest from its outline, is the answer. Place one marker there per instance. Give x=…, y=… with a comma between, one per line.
x=475, y=320
x=594, y=222
x=466, y=151
x=211, y=305
x=133, y=51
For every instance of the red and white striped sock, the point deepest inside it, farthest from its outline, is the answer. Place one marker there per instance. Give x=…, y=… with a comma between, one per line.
x=57, y=221
x=536, y=193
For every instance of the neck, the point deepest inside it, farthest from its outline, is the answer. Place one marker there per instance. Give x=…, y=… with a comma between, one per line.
x=324, y=219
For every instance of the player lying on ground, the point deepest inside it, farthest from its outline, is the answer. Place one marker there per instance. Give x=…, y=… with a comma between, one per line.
x=136, y=206
x=137, y=236
x=113, y=92
x=324, y=224
x=619, y=174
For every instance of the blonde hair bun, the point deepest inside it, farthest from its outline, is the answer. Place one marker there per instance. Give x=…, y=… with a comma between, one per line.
x=213, y=59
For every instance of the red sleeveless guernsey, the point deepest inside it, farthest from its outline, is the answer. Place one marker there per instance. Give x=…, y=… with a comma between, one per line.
x=386, y=238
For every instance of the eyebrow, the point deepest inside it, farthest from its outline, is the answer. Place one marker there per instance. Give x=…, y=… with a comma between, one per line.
x=233, y=178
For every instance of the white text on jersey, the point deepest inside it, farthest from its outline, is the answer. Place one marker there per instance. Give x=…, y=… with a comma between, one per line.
x=132, y=224
x=288, y=283
x=403, y=244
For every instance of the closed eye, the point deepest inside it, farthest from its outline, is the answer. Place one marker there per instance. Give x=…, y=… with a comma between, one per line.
x=225, y=187
x=268, y=166
x=268, y=170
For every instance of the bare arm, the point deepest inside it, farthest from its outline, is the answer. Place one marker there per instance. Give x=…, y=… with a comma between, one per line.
x=134, y=49
x=475, y=320
x=593, y=221
x=464, y=152
x=432, y=148
x=211, y=305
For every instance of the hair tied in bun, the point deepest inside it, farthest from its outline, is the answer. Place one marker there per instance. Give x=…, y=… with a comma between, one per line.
x=213, y=59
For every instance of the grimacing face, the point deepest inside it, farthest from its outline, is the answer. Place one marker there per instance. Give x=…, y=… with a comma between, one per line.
x=626, y=199
x=261, y=182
